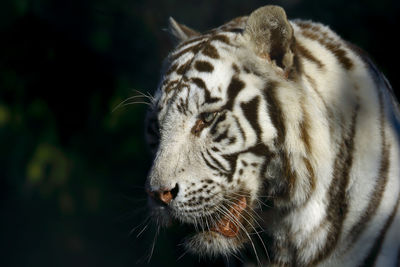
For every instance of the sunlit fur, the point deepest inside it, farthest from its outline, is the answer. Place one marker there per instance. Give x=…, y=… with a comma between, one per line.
x=313, y=147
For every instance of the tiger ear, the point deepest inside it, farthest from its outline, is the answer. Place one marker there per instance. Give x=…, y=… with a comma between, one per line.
x=272, y=35
x=180, y=32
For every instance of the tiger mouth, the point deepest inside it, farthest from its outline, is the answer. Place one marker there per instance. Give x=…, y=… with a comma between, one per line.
x=229, y=224
x=223, y=227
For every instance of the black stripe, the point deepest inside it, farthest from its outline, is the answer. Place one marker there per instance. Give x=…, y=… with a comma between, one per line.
x=250, y=111
x=235, y=30
x=216, y=161
x=234, y=88
x=210, y=51
x=259, y=149
x=185, y=43
x=276, y=114
x=203, y=66
x=171, y=85
x=199, y=82
x=381, y=180
x=232, y=160
x=312, y=178
x=370, y=260
x=307, y=25
x=332, y=46
x=308, y=55
x=171, y=69
x=304, y=126
x=221, y=38
x=274, y=110
x=183, y=68
x=215, y=149
x=180, y=107
x=338, y=205
x=340, y=54
x=194, y=49
x=222, y=136
x=208, y=163
x=232, y=140
x=306, y=138
x=235, y=68
x=220, y=118
x=375, y=200
x=329, y=112
x=240, y=128
x=287, y=186
x=207, y=97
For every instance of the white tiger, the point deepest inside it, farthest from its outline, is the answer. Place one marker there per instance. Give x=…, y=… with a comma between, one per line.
x=277, y=133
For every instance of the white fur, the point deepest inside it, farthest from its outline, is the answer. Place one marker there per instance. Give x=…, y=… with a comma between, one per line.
x=341, y=90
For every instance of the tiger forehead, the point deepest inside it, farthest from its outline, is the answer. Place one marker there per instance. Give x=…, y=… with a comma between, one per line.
x=195, y=54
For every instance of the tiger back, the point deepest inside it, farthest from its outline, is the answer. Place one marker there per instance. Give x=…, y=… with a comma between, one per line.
x=277, y=136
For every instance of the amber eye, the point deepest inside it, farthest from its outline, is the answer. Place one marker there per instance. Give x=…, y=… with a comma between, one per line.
x=206, y=118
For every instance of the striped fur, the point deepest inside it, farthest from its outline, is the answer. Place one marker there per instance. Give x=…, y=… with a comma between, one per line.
x=295, y=120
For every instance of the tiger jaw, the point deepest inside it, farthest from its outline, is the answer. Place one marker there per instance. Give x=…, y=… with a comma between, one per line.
x=220, y=232
x=229, y=224
x=227, y=235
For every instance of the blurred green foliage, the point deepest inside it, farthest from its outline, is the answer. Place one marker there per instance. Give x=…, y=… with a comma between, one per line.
x=72, y=170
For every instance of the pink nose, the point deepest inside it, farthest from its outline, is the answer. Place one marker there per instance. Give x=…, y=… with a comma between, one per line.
x=164, y=195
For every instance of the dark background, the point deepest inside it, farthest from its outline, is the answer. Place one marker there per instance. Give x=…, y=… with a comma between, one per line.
x=71, y=170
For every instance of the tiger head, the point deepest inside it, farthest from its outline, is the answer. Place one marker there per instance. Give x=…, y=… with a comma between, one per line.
x=217, y=131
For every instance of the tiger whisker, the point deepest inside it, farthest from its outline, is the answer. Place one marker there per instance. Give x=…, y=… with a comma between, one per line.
x=182, y=255
x=251, y=209
x=234, y=220
x=125, y=101
x=139, y=225
x=248, y=213
x=136, y=102
x=260, y=202
x=248, y=195
x=142, y=231
x=237, y=257
x=208, y=226
x=154, y=243
x=259, y=232
x=252, y=226
x=146, y=95
x=258, y=235
x=240, y=225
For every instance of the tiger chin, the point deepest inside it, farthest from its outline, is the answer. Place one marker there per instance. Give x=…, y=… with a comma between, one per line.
x=277, y=132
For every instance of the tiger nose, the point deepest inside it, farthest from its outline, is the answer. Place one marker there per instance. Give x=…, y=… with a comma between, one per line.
x=164, y=195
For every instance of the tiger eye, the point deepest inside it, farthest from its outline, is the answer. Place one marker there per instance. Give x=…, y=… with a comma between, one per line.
x=208, y=117
x=205, y=119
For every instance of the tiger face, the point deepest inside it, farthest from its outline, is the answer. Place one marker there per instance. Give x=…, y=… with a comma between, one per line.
x=215, y=141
